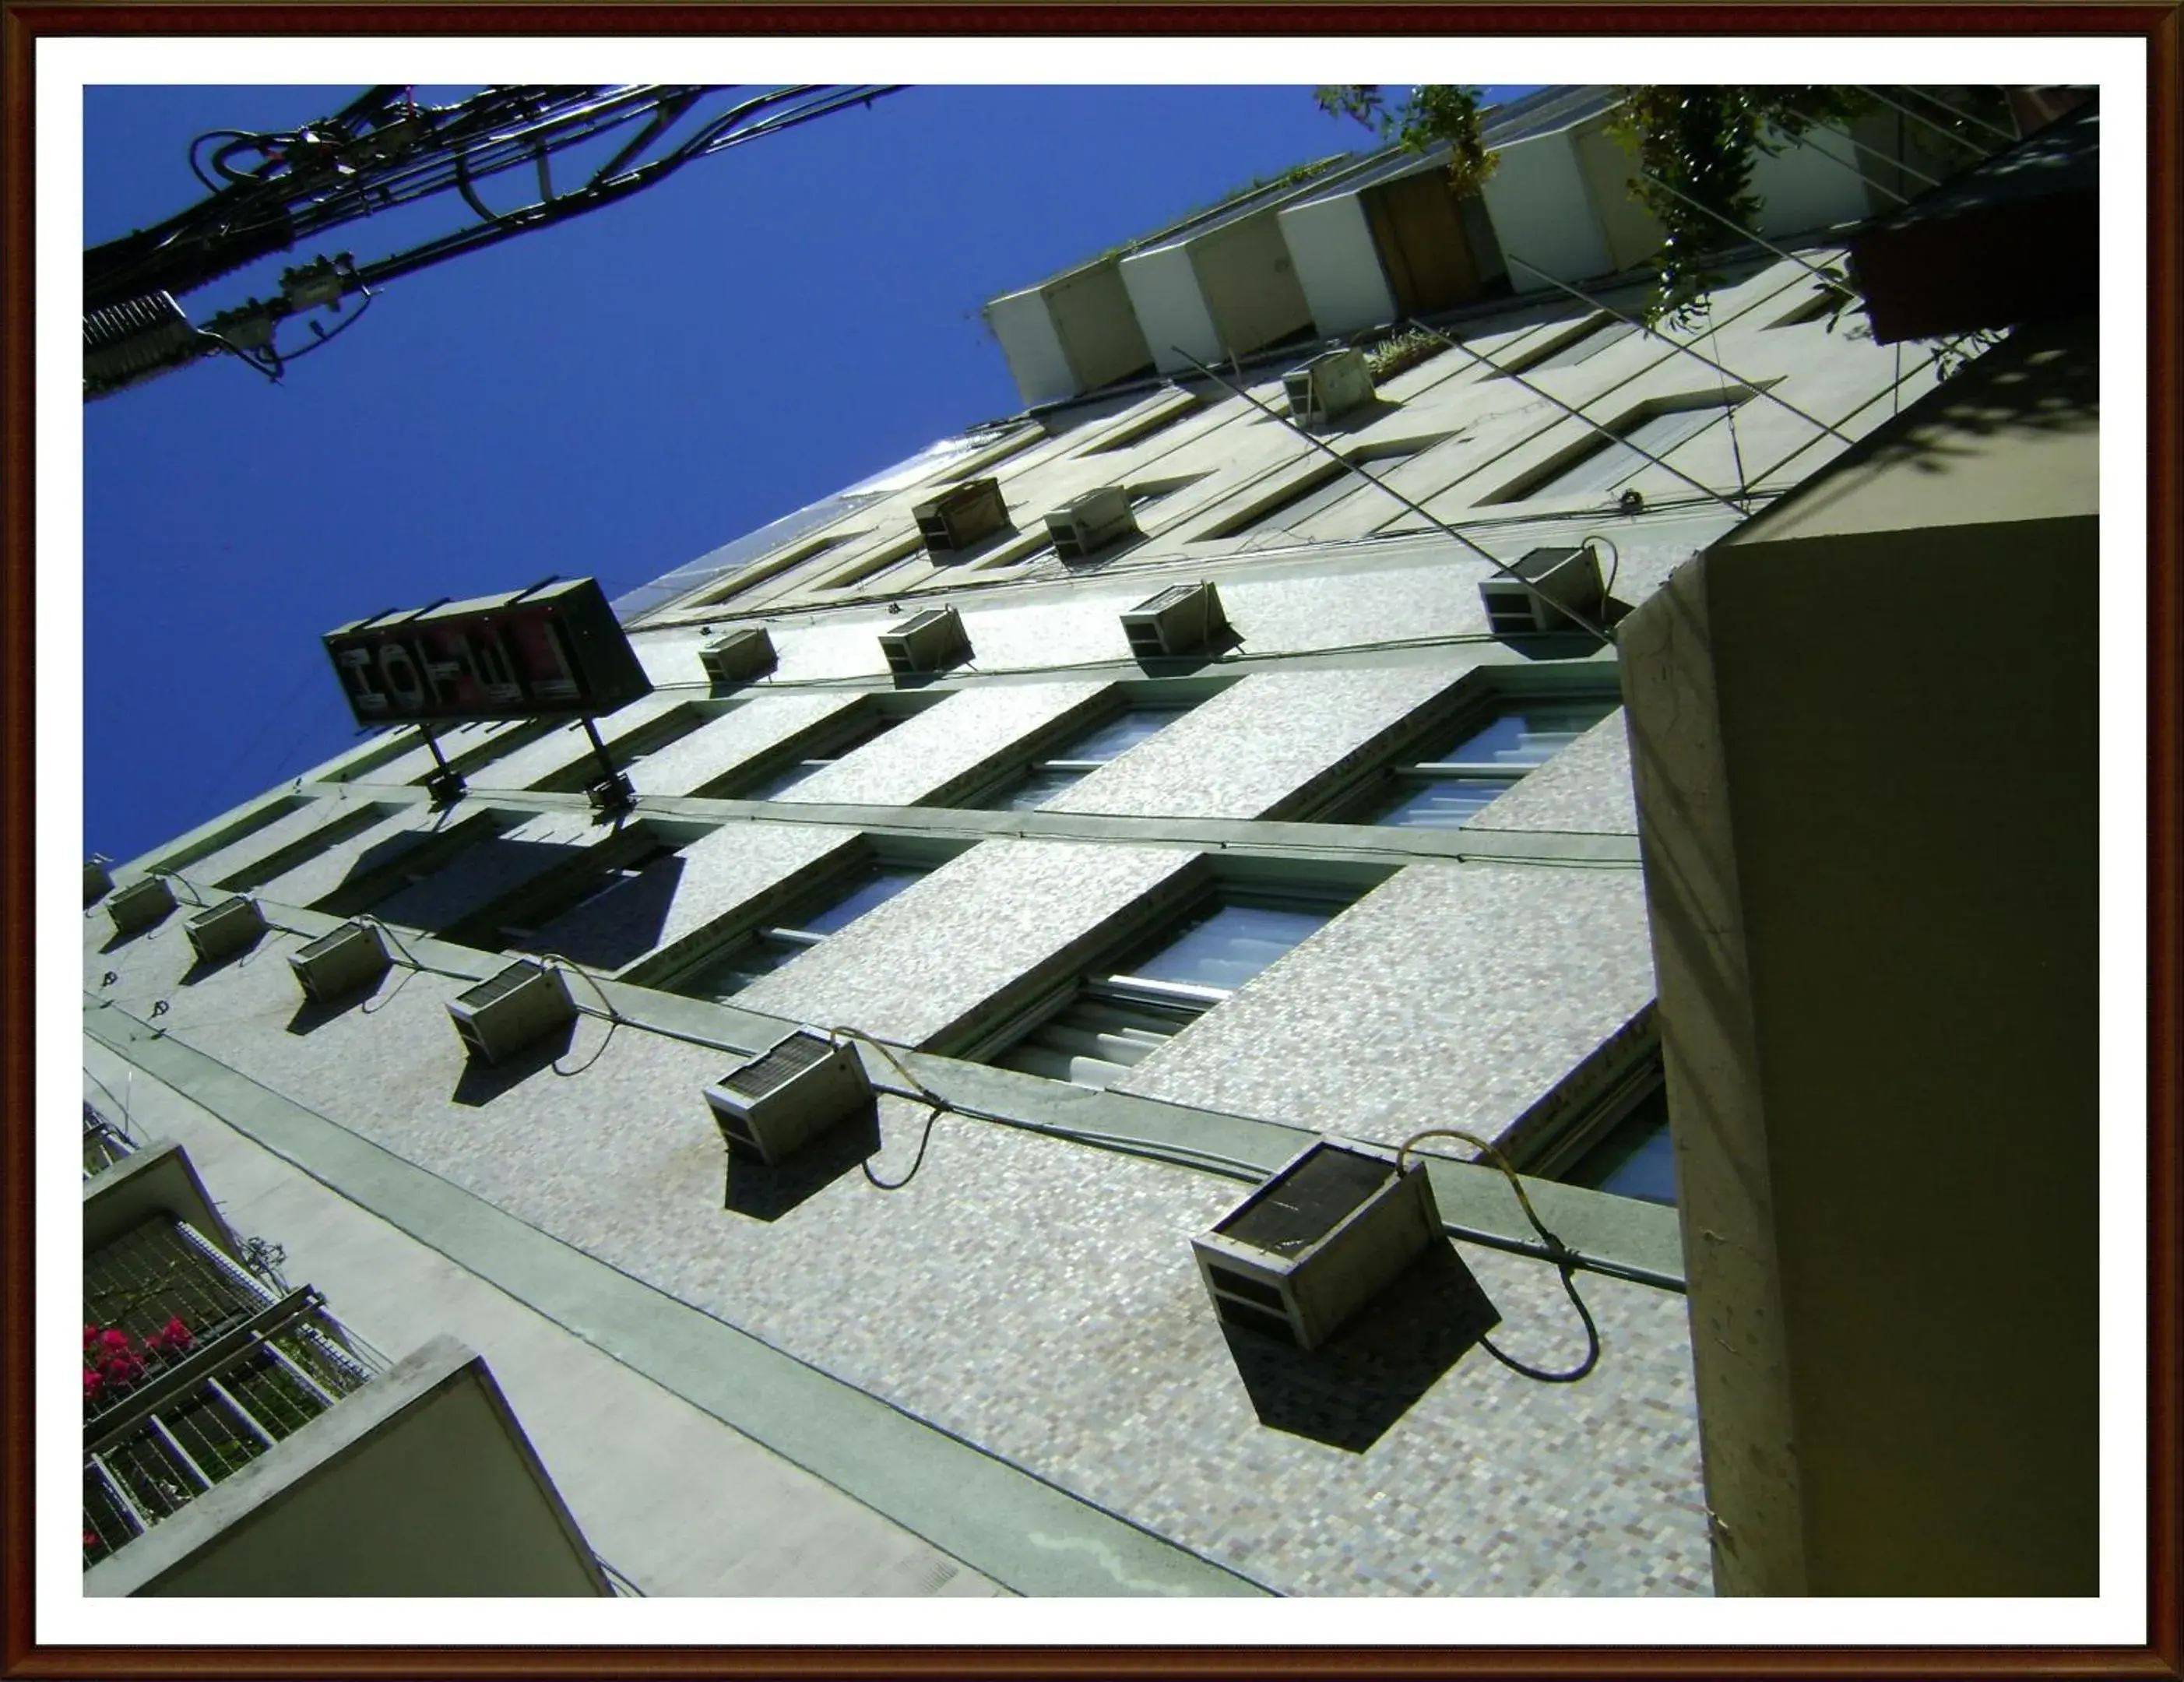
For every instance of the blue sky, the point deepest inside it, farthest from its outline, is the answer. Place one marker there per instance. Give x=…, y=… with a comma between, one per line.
x=610, y=398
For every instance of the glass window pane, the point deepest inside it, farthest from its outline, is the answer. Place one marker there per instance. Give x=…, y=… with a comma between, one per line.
x=733, y=970
x=1035, y=790
x=1118, y=735
x=1229, y=944
x=787, y=777
x=1636, y=1159
x=1529, y=733
x=874, y=890
x=1607, y=467
x=1590, y=345
x=1442, y=803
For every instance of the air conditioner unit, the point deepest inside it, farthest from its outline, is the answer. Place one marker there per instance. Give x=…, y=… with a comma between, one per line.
x=1329, y=387
x=501, y=1016
x=97, y=880
x=794, y=1089
x=1183, y=619
x=338, y=964
x=1316, y=1242
x=228, y=927
x=1085, y=523
x=141, y=905
x=741, y=654
x=932, y=641
x=961, y=514
x=1568, y=578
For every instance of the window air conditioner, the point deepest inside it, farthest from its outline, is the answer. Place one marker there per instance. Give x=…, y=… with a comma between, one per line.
x=1085, y=523
x=501, y=1016
x=932, y=641
x=340, y=963
x=1183, y=619
x=226, y=928
x=741, y=654
x=95, y=880
x=1568, y=578
x=1328, y=387
x=797, y=1087
x=141, y=905
x=961, y=514
x=1316, y=1242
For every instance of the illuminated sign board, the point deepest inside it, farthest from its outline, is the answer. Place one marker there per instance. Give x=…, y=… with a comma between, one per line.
x=555, y=648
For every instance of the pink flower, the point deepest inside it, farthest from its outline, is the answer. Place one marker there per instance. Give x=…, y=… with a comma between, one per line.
x=91, y=1539
x=93, y=1382
x=115, y=1340
x=90, y=1338
x=122, y=1369
x=171, y=1338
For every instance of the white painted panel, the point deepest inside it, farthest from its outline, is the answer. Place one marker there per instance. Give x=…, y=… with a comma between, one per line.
x=1163, y=288
x=1330, y=242
x=1537, y=203
x=1805, y=191
x=1020, y=322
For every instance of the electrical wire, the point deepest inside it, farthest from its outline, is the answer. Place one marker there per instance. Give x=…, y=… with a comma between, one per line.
x=1565, y=1260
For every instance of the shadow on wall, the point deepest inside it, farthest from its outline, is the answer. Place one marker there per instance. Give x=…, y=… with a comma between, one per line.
x=767, y=1193
x=1376, y=1368
x=481, y=1081
x=618, y=928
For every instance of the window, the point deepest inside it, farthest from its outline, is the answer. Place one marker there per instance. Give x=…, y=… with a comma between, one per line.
x=1079, y=757
x=862, y=570
x=758, y=572
x=1634, y=1158
x=806, y=923
x=1320, y=490
x=1822, y=301
x=1145, y=426
x=1567, y=352
x=1611, y=459
x=1113, y=1019
x=829, y=747
x=616, y=867
x=1476, y=764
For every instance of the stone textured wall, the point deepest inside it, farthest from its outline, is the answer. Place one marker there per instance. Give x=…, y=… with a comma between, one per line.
x=1454, y=994
x=1583, y=790
x=1243, y=753
x=944, y=743
x=942, y=947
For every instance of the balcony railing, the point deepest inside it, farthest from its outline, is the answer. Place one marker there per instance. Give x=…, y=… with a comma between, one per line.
x=192, y=1368
x=104, y=1144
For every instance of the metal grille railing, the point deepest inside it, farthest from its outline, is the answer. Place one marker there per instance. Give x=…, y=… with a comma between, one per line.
x=104, y=1143
x=192, y=1369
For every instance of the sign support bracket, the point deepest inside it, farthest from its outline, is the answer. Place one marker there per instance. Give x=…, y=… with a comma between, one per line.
x=445, y=785
x=612, y=792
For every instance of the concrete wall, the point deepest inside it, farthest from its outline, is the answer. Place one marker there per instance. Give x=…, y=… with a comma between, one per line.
x=1337, y=265
x=1166, y=297
x=158, y=1179
x=420, y=1483
x=1632, y=232
x=1541, y=212
x=1022, y=324
x=1878, y=950
x=1249, y=283
x=1804, y=192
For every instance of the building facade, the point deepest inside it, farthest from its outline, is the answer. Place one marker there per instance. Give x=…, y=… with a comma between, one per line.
x=1144, y=790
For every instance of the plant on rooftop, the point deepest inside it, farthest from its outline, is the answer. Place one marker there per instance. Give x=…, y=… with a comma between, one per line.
x=1694, y=148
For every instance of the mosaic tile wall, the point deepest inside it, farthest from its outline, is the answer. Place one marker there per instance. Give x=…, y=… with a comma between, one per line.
x=1037, y=1297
